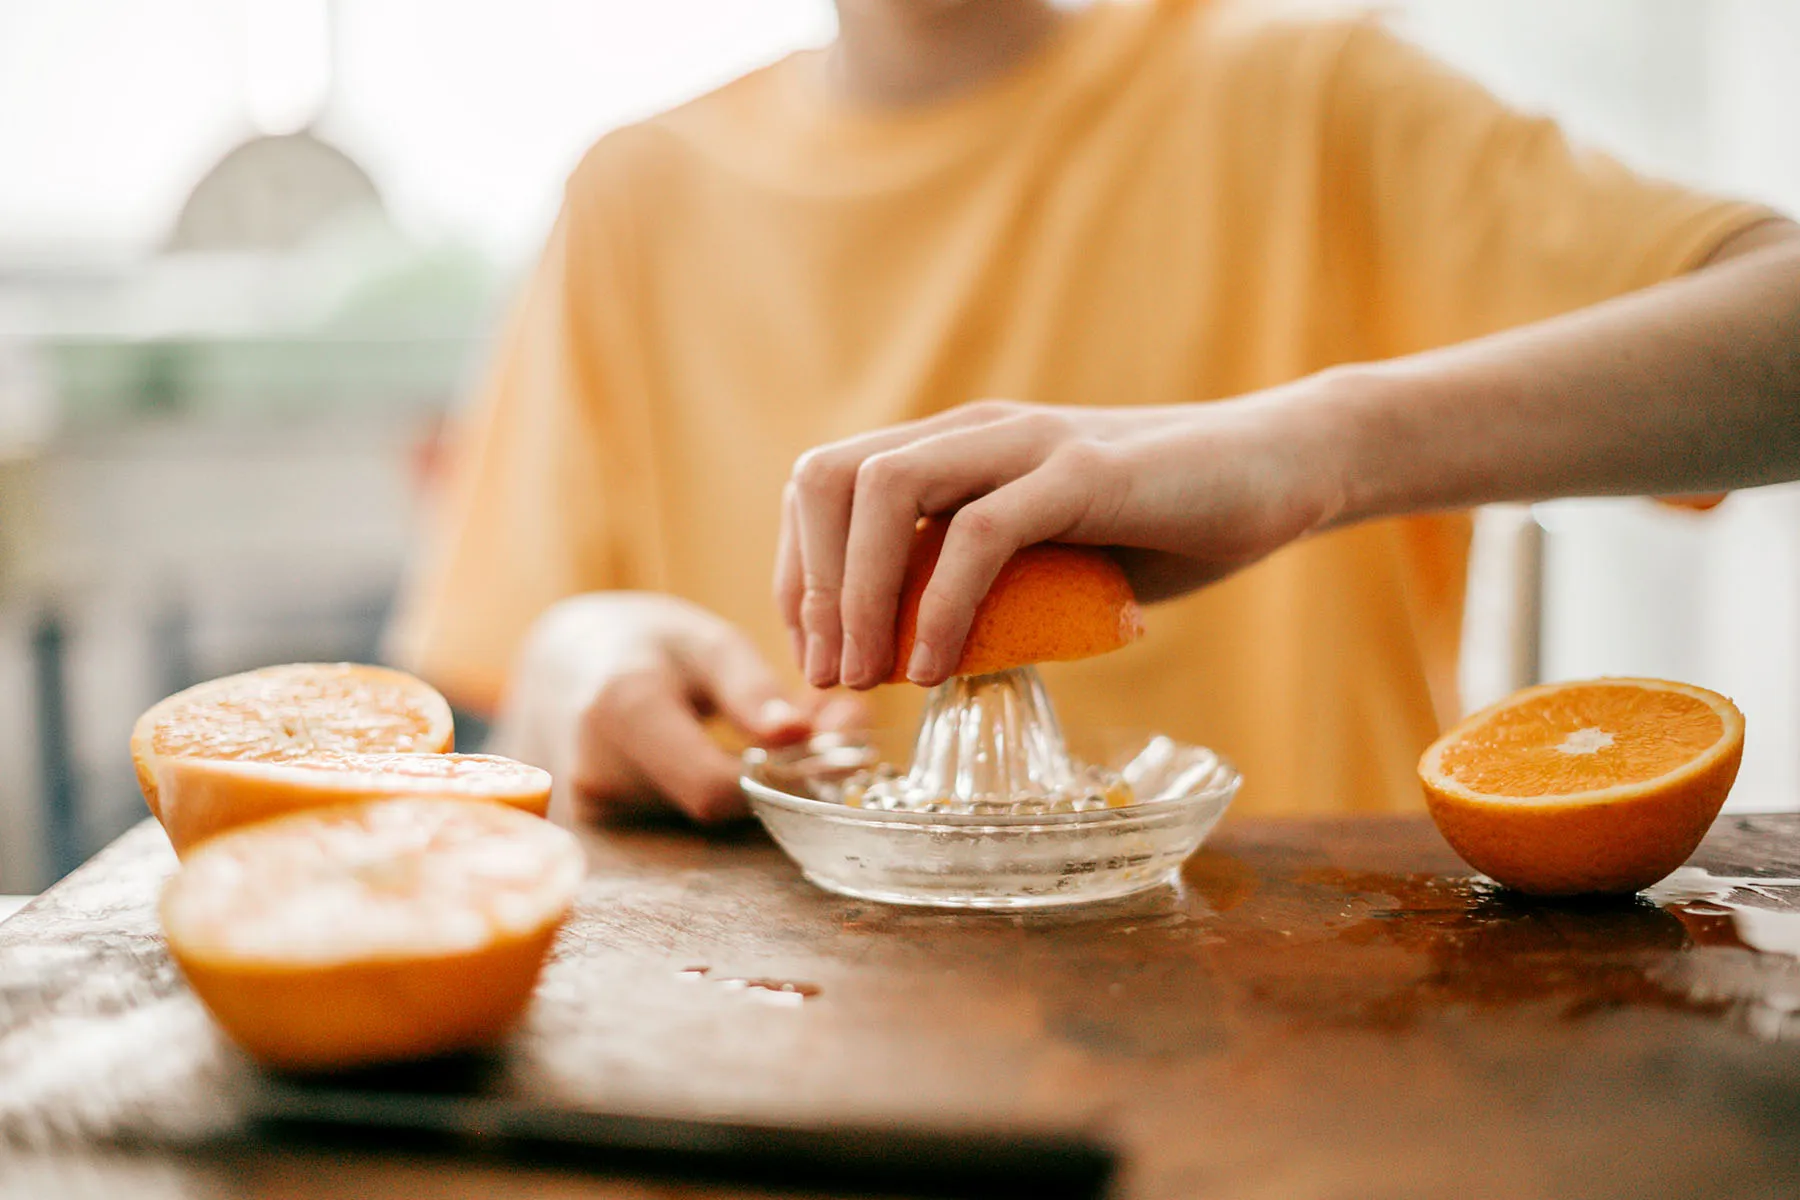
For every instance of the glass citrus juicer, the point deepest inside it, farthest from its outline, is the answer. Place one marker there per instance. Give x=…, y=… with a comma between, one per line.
x=996, y=807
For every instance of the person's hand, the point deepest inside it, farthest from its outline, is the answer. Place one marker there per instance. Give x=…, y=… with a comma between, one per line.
x=1188, y=493
x=612, y=693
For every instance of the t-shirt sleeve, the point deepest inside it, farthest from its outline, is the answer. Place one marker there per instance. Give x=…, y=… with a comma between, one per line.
x=523, y=519
x=1467, y=216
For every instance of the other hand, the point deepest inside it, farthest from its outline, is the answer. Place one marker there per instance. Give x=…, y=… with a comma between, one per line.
x=612, y=695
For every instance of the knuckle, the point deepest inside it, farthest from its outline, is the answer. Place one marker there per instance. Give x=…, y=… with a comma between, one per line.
x=818, y=602
x=884, y=474
x=821, y=472
x=977, y=527
x=989, y=410
x=1041, y=423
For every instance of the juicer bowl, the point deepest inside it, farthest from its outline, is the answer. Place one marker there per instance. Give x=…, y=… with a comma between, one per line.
x=964, y=860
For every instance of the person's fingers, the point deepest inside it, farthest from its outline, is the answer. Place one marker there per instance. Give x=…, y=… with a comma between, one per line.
x=824, y=481
x=822, y=484
x=726, y=671
x=893, y=489
x=790, y=585
x=859, y=446
x=981, y=537
x=646, y=717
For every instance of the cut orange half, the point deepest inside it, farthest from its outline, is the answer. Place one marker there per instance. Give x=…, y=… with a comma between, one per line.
x=288, y=712
x=1050, y=603
x=1599, y=786
x=201, y=797
x=371, y=933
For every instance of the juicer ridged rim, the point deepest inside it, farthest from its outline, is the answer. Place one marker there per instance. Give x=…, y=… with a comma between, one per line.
x=1224, y=785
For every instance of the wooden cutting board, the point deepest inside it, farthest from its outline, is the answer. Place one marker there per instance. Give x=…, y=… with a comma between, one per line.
x=1319, y=1010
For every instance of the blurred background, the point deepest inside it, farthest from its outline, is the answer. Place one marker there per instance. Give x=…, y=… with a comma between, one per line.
x=251, y=252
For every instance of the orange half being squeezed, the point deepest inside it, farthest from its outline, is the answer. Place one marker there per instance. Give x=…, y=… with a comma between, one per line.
x=1050, y=603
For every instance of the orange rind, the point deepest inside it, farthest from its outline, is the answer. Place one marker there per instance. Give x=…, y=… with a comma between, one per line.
x=278, y=714
x=1050, y=603
x=371, y=933
x=203, y=797
x=1601, y=786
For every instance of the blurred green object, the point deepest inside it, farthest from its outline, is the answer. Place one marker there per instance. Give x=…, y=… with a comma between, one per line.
x=356, y=321
x=100, y=382
x=451, y=288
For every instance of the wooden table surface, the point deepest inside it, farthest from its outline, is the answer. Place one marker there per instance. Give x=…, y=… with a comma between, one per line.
x=1318, y=1010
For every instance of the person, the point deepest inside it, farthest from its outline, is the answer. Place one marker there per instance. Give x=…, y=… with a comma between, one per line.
x=1689, y=387
x=1124, y=205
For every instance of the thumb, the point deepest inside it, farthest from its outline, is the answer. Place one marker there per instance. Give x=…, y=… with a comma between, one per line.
x=727, y=670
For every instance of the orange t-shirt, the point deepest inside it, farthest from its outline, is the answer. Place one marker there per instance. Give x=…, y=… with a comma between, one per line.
x=1172, y=201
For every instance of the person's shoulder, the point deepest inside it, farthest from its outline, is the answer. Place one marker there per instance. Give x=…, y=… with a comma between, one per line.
x=748, y=100
x=674, y=139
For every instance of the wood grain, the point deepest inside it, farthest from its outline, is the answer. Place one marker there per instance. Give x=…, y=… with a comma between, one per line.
x=1318, y=1010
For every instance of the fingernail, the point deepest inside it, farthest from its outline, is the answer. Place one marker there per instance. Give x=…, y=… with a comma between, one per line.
x=777, y=714
x=852, y=670
x=923, y=663
x=818, y=669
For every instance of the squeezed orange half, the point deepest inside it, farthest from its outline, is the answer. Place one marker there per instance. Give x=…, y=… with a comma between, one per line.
x=201, y=797
x=374, y=932
x=288, y=712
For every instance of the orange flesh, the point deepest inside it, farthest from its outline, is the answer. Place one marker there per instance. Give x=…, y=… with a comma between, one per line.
x=453, y=773
x=369, y=933
x=198, y=798
x=1581, y=740
x=391, y=879
x=273, y=716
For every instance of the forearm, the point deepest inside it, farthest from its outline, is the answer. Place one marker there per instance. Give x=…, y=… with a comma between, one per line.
x=1691, y=386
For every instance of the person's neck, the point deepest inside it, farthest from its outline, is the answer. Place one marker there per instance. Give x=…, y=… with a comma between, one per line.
x=894, y=53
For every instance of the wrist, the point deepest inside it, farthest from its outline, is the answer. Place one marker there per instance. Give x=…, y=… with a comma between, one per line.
x=1314, y=421
x=1347, y=424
